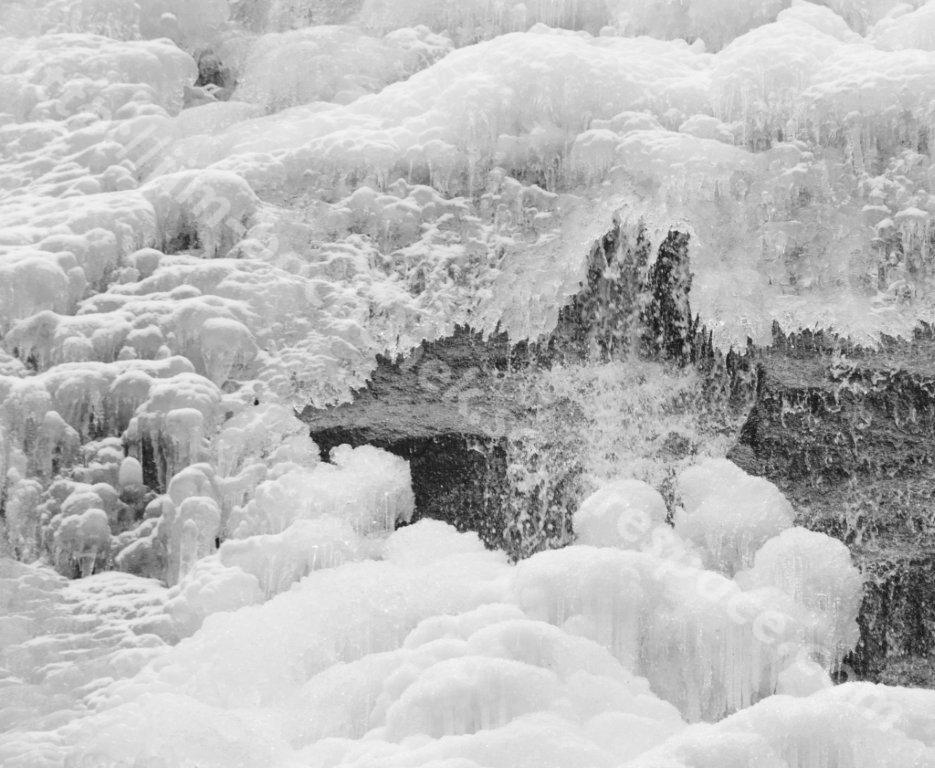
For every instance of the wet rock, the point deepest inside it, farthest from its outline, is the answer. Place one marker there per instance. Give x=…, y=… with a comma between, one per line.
x=442, y=410
x=848, y=434
x=214, y=72
x=456, y=407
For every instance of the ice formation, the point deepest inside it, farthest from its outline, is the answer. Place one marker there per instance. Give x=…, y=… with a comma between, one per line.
x=424, y=647
x=625, y=513
x=816, y=571
x=212, y=210
x=728, y=514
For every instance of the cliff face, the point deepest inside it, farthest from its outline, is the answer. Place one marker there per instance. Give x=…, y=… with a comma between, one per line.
x=848, y=434
x=457, y=407
x=447, y=409
x=456, y=410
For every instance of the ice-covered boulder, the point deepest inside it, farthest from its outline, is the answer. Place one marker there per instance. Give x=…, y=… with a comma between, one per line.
x=332, y=63
x=209, y=209
x=279, y=560
x=367, y=487
x=817, y=572
x=624, y=513
x=80, y=72
x=82, y=542
x=728, y=514
x=208, y=588
x=174, y=423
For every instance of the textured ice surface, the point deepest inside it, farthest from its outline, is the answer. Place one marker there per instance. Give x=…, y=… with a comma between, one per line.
x=180, y=263
x=429, y=648
x=624, y=513
x=728, y=514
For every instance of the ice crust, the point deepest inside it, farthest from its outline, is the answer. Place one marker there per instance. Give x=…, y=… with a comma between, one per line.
x=180, y=264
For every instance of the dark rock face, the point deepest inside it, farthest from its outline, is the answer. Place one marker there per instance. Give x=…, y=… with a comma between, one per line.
x=455, y=478
x=452, y=409
x=627, y=304
x=213, y=71
x=848, y=434
x=667, y=325
x=454, y=406
x=442, y=387
x=439, y=408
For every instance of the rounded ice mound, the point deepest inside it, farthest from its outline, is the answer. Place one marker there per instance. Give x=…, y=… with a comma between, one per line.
x=428, y=541
x=81, y=541
x=817, y=572
x=210, y=587
x=130, y=472
x=278, y=560
x=898, y=31
x=700, y=480
x=802, y=678
x=621, y=514
x=264, y=433
x=77, y=73
x=332, y=63
x=211, y=209
x=728, y=514
x=226, y=345
x=464, y=695
x=367, y=487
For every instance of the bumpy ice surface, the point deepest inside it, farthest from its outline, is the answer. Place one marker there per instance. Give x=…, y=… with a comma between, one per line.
x=186, y=582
